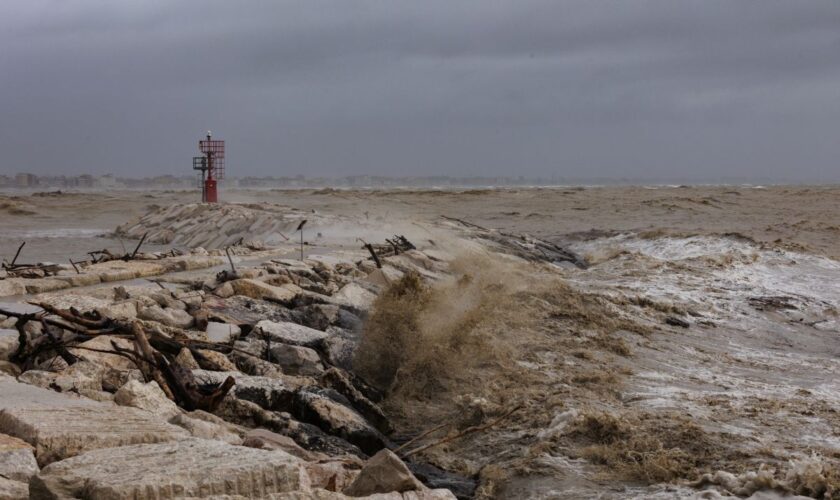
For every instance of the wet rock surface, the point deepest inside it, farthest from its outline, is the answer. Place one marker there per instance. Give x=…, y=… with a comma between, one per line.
x=289, y=333
x=190, y=468
x=60, y=426
x=17, y=459
x=237, y=382
x=383, y=473
x=13, y=490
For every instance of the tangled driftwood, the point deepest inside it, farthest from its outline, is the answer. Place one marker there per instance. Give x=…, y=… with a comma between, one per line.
x=154, y=354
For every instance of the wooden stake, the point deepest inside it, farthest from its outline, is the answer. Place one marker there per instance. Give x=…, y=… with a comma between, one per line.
x=18, y=253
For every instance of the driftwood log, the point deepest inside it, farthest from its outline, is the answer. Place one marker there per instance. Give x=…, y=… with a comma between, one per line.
x=154, y=355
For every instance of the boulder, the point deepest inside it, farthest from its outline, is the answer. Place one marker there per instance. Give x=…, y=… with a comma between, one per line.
x=267, y=440
x=104, y=342
x=17, y=459
x=9, y=368
x=365, y=266
x=11, y=287
x=201, y=316
x=113, y=379
x=148, y=397
x=221, y=333
x=333, y=475
x=80, y=376
x=214, y=360
x=317, y=287
x=38, y=378
x=194, y=468
x=52, y=364
x=186, y=359
x=60, y=426
x=308, y=436
x=354, y=296
x=383, y=473
x=102, y=396
x=338, y=419
x=171, y=317
x=119, y=310
x=384, y=277
x=258, y=290
x=191, y=298
x=205, y=425
x=74, y=300
x=340, y=347
x=44, y=285
x=167, y=301
x=269, y=393
x=339, y=381
x=348, y=321
x=325, y=316
x=19, y=307
x=13, y=490
x=117, y=275
x=289, y=333
x=317, y=316
x=224, y=290
x=8, y=343
x=252, y=365
x=252, y=346
x=277, y=279
x=296, y=360
x=241, y=310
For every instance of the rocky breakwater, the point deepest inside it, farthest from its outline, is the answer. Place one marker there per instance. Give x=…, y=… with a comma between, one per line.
x=214, y=226
x=239, y=385
x=143, y=265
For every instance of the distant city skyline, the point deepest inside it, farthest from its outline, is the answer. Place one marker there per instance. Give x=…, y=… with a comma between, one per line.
x=29, y=181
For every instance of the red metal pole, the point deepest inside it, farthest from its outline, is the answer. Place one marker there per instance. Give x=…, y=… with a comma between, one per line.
x=210, y=183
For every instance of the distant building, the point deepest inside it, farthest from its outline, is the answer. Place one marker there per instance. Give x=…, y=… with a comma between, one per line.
x=106, y=181
x=26, y=180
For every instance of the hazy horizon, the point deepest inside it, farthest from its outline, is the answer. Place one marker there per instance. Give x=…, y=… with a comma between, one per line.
x=693, y=90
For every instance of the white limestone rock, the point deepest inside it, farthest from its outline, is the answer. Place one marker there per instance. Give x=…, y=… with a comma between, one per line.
x=355, y=296
x=13, y=490
x=296, y=360
x=269, y=393
x=17, y=459
x=193, y=468
x=60, y=426
x=8, y=343
x=289, y=333
x=222, y=333
x=171, y=317
x=205, y=425
x=384, y=473
x=148, y=397
x=258, y=290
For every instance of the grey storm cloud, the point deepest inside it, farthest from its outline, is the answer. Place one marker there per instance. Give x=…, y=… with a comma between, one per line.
x=660, y=89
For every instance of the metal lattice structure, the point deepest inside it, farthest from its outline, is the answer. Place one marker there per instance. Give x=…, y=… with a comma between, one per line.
x=214, y=151
x=211, y=165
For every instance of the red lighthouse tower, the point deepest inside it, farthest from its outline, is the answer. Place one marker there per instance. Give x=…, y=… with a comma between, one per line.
x=212, y=167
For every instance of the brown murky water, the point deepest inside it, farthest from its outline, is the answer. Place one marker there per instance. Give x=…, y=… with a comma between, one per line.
x=752, y=383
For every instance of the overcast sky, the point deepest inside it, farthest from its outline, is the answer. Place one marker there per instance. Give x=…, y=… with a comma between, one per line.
x=621, y=89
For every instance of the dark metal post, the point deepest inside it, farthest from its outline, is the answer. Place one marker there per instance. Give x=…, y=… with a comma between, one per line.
x=300, y=228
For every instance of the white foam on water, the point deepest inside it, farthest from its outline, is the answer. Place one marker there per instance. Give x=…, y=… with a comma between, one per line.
x=767, y=361
x=715, y=273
